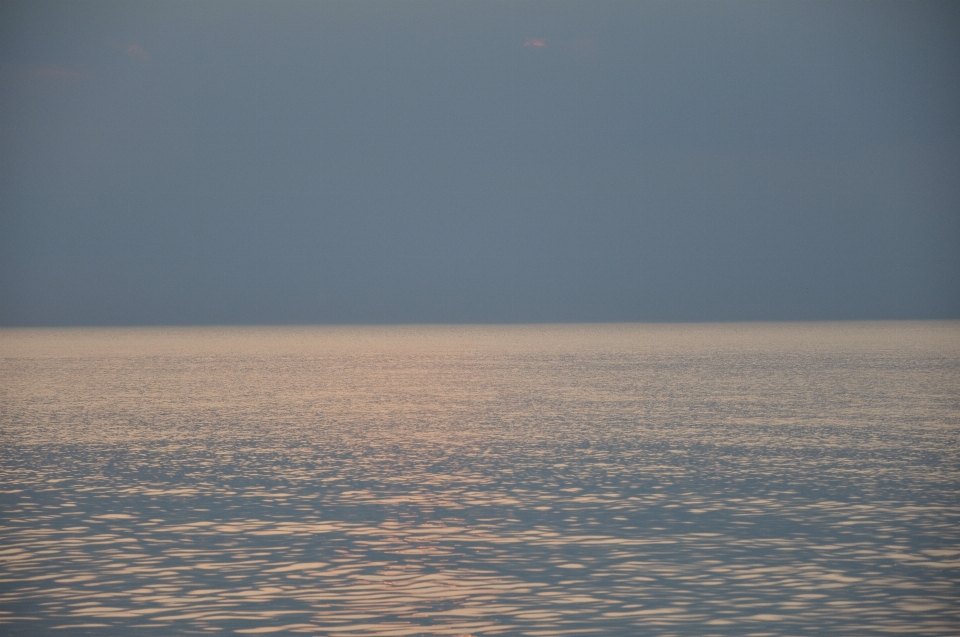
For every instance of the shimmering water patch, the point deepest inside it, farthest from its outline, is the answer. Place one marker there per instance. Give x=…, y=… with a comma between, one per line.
x=557, y=480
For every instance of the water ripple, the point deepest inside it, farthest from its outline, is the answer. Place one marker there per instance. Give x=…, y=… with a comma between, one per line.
x=716, y=481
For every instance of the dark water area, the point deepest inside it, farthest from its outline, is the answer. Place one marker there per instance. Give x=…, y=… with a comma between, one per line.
x=738, y=479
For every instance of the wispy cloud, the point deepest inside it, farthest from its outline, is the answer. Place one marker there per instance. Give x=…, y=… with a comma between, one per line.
x=536, y=42
x=131, y=49
x=135, y=50
x=59, y=73
x=46, y=73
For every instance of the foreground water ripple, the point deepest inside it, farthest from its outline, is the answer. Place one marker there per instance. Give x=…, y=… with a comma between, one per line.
x=552, y=480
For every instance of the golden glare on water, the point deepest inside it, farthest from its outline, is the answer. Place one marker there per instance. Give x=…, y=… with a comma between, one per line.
x=738, y=479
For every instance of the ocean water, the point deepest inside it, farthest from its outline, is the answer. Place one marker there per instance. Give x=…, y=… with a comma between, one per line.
x=737, y=479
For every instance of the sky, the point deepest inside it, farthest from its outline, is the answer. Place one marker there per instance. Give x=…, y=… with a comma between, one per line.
x=214, y=162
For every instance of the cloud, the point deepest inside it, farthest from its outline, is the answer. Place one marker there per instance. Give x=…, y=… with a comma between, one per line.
x=131, y=50
x=536, y=42
x=59, y=73
x=135, y=50
x=44, y=73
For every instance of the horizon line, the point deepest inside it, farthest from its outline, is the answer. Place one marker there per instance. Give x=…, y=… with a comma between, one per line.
x=464, y=324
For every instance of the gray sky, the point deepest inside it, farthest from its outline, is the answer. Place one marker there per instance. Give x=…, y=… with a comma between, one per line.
x=459, y=161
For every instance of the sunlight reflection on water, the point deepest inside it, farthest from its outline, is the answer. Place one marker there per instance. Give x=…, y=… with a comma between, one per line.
x=541, y=480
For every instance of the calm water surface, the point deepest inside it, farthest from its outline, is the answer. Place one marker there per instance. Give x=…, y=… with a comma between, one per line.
x=739, y=479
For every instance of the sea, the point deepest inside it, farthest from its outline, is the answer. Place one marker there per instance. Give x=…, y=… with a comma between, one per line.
x=756, y=479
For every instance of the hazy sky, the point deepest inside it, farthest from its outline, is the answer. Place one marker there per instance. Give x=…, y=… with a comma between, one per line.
x=459, y=161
